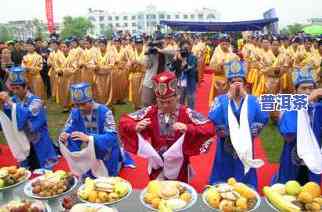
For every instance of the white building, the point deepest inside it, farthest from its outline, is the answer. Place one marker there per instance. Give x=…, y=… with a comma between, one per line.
x=146, y=20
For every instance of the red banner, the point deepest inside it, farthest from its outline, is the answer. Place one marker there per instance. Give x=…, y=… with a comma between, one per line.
x=50, y=15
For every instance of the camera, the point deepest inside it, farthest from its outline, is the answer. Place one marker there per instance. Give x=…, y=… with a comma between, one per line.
x=184, y=52
x=152, y=47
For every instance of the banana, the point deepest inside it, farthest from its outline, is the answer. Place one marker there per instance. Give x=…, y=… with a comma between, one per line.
x=277, y=200
x=163, y=207
x=244, y=190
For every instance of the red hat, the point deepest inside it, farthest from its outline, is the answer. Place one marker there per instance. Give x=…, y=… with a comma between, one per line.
x=165, y=84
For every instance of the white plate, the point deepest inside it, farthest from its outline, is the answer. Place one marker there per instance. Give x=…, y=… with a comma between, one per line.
x=189, y=188
x=82, y=187
x=96, y=206
x=28, y=189
x=27, y=176
x=270, y=204
x=204, y=199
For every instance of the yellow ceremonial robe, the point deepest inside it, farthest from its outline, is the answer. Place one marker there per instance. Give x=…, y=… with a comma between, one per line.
x=219, y=80
x=33, y=63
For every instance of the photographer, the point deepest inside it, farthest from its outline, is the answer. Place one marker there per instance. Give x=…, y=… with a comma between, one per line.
x=155, y=61
x=185, y=65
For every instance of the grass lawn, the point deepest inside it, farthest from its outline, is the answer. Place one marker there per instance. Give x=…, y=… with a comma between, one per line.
x=272, y=141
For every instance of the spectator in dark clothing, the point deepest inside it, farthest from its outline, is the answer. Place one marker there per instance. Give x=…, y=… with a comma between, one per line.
x=18, y=53
x=185, y=65
x=41, y=47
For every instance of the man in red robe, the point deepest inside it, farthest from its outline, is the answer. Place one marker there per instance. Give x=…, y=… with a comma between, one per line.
x=166, y=134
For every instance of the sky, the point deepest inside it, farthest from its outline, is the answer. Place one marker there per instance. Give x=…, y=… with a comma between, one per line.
x=288, y=11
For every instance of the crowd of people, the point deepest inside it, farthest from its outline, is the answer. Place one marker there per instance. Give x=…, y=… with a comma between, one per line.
x=160, y=77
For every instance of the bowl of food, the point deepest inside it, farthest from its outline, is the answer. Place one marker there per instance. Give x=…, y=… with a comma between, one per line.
x=25, y=206
x=51, y=185
x=12, y=176
x=175, y=195
x=294, y=197
x=231, y=196
x=104, y=190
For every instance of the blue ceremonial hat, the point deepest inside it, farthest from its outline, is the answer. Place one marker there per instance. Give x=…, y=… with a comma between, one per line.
x=81, y=93
x=138, y=39
x=102, y=40
x=303, y=76
x=235, y=68
x=17, y=75
x=30, y=41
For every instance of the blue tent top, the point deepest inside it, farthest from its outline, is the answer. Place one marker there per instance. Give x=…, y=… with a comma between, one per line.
x=253, y=25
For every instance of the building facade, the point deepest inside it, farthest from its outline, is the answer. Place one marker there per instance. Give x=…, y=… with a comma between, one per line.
x=25, y=29
x=144, y=21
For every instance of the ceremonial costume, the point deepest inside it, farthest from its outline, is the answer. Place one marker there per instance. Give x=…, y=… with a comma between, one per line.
x=66, y=70
x=102, y=79
x=87, y=65
x=250, y=52
x=303, y=164
x=235, y=149
x=167, y=150
x=283, y=62
x=199, y=51
x=103, y=146
x=30, y=118
x=76, y=54
x=136, y=75
x=33, y=62
x=219, y=80
x=267, y=82
x=51, y=73
x=119, y=75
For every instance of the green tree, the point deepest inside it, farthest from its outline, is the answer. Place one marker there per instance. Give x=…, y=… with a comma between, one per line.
x=292, y=29
x=40, y=29
x=75, y=26
x=107, y=32
x=5, y=33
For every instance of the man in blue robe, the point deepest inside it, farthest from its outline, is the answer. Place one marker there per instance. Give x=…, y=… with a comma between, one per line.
x=87, y=121
x=31, y=119
x=292, y=167
x=227, y=162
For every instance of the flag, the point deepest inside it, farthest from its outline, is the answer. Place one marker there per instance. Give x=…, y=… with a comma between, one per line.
x=50, y=15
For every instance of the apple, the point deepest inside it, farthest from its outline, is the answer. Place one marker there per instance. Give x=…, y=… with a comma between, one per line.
x=293, y=188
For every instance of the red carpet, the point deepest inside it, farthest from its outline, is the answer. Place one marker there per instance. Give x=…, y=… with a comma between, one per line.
x=201, y=164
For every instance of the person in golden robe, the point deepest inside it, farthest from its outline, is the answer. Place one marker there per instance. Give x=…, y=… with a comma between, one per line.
x=102, y=79
x=222, y=54
x=87, y=61
x=310, y=58
x=199, y=50
x=136, y=73
x=208, y=52
x=267, y=80
x=76, y=52
x=65, y=74
x=117, y=73
x=33, y=62
x=319, y=48
x=249, y=52
x=283, y=67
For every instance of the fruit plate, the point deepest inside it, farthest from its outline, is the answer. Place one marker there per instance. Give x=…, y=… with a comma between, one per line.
x=27, y=176
x=28, y=189
x=82, y=187
x=47, y=207
x=270, y=204
x=96, y=206
x=204, y=199
x=189, y=189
